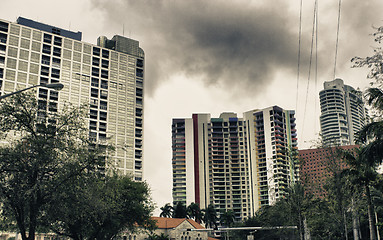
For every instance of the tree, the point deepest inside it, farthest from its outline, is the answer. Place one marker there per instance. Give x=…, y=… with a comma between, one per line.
x=363, y=163
x=371, y=138
x=95, y=207
x=179, y=210
x=227, y=218
x=166, y=211
x=210, y=216
x=41, y=152
x=194, y=212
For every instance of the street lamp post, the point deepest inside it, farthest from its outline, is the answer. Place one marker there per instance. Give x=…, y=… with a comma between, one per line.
x=56, y=86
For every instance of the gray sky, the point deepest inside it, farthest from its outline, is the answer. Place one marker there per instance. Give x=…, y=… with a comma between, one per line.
x=214, y=56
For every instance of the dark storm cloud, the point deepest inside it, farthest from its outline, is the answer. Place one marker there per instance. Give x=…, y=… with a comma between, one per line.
x=234, y=43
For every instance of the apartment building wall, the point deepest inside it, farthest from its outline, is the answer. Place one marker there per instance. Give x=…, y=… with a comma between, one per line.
x=109, y=81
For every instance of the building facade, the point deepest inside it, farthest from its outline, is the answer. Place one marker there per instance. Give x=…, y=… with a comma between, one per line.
x=317, y=165
x=108, y=77
x=343, y=113
x=234, y=163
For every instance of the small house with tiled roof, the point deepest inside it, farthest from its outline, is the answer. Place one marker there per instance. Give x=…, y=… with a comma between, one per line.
x=175, y=229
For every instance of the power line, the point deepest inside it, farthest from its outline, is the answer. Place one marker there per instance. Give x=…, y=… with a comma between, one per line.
x=337, y=37
x=310, y=61
x=299, y=52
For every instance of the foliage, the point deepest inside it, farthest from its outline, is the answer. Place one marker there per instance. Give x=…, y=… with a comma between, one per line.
x=40, y=153
x=374, y=62
x=227, y=218
x=166, y=211
x=94, y=207
x=194, y=212
x=179, y=211
x=210, y=216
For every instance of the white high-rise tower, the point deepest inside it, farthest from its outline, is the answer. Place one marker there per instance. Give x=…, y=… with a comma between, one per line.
x=342, y=113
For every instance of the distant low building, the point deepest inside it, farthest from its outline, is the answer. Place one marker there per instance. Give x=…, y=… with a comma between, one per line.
x=174, y=228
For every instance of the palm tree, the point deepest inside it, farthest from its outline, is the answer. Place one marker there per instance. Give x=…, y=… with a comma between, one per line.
x=227, y=218
x=210, y=216
x=363, y=162
x=166, y=211
x=179, y=211
x=194, y=212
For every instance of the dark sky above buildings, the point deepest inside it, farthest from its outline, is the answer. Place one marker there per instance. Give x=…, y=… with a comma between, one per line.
x=214, y=56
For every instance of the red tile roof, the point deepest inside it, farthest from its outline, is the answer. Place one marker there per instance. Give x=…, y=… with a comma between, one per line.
x=166, y=223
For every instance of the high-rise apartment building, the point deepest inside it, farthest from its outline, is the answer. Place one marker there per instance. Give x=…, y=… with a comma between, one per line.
x=234, y=163
x=108, y=76
x=342, y=113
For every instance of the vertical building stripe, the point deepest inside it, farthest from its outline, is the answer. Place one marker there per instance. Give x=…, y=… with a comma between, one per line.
x=196, y=159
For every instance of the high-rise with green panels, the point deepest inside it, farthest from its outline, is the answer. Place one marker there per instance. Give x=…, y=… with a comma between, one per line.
x=238, y=164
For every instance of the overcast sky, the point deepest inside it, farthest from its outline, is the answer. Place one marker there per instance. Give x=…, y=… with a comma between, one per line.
x=211, y=56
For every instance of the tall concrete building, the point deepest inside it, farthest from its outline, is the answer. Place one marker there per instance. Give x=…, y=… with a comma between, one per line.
x=342, y=113
x=234, y=163
x=108, y=76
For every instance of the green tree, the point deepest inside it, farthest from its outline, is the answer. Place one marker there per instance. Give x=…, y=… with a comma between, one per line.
x=179, y=210
x=40, y=152
x=194, y=212
x=227, y=218
x=166, y=211
x=210, y=216
x=364, y=161
x=94, y=207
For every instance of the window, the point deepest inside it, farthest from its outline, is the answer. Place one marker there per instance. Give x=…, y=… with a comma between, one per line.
x=93, y=114
x=104, y=84
x=103, y=105
x=47, y=38
x=44, y=71
x=45, y=60
x=95, y=82
x=3, y=38
x=44, y=80
x=57, y=51
x=95, y=61
x=43, y=93
x=96, y=51
x=55, y=73
x=46, y=49
x=95, y=71
x=58, y=41
x=93, y=125
x=3, y=26
x=105, y=53
x=56, y=62
x=103, y=116
x=104, y=94
x=94, y=92
x=54, y=95
x=104, y=73
x=104, y=63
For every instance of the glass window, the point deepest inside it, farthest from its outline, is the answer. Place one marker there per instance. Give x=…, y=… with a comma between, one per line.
x=47, y=38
